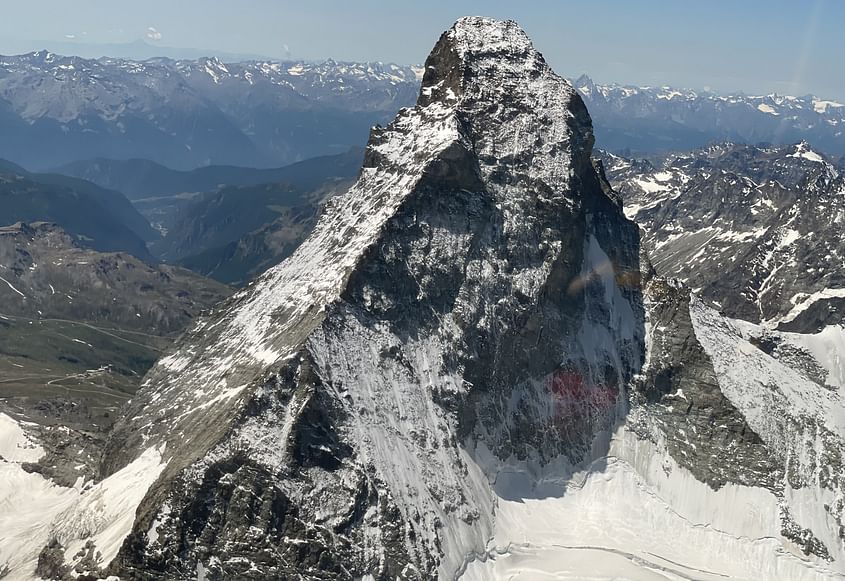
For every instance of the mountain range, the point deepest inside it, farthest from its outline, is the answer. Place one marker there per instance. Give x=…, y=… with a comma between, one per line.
x=184, y=114
x=758, y=231
x=477, y=367
x=660, y=119
x=227, y=222
x=139, y=179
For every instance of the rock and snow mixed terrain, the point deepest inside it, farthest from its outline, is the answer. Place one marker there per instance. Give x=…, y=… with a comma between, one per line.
x=759, y=231
x=468, y=370
x=36, y=510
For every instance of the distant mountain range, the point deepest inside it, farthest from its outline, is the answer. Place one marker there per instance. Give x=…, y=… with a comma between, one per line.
x=184, y=114
x=138, y=179
x=189, y=113
x=653, y=119
x=227, y=222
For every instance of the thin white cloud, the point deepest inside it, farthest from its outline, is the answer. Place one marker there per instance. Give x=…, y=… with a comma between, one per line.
x=153, y=34
x=70, y=36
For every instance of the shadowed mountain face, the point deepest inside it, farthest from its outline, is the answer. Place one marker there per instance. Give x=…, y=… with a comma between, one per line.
x=98, y=218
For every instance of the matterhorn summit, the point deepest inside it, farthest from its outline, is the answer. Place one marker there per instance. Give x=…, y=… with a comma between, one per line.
x=468, y=371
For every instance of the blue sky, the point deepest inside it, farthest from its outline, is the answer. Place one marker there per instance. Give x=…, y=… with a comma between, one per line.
x=755, y=46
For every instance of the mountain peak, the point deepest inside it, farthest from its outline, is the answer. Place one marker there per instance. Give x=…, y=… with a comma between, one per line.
x=483, y=52
x=474, y=35
x=476, y=211
x=488, y=73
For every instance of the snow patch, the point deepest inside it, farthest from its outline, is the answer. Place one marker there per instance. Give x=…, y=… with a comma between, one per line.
x=650, y=186
x=828, y=349
x=12, y=287
x=802, y=150
x=820, y=106
x=15, y=444
x=804, y=301
x=105, y=513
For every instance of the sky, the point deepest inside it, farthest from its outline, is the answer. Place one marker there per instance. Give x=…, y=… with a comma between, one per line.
x=755, y=46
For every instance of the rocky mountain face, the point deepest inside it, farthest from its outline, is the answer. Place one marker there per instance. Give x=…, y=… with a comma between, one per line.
x=437, y=268
x=659, y=119
x=184, y=114
x=758, y=231
x=468, y=370
x=101, y=219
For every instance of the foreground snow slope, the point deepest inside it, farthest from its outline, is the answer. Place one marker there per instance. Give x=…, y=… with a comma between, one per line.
x=35, y=511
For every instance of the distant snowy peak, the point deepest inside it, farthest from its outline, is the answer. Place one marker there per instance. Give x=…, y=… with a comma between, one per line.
x=658, y=119
x=772, y=104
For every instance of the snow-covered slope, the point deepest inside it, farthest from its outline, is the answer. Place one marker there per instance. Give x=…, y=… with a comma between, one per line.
x=467, y=371
x=727, y=465
x=38, y=516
